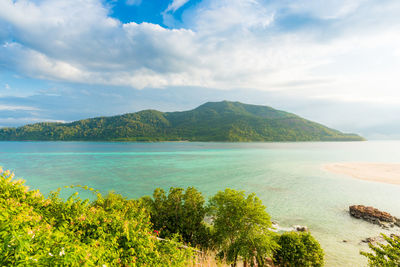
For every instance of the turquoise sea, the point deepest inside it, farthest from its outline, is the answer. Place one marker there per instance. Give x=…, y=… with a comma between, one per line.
x=288, y=177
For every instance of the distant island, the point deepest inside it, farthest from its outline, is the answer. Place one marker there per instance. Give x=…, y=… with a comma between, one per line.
x=213, y=121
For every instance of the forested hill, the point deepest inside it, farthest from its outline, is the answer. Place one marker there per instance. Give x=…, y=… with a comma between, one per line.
x=212, y=121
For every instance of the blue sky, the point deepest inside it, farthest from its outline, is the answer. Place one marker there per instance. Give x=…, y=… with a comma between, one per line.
x=149, y=11
x=333, y=61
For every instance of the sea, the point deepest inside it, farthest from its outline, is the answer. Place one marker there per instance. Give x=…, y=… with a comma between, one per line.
x=289, y=178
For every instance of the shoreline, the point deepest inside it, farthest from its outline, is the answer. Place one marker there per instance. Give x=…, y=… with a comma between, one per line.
x=388, y=173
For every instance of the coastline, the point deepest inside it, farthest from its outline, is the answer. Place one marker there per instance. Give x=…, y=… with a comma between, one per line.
x=368, y=171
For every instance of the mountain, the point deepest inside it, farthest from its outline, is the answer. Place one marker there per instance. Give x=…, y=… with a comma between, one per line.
x=212, y=121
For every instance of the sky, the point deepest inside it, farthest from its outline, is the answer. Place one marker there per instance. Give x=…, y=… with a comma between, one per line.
x=336, y=62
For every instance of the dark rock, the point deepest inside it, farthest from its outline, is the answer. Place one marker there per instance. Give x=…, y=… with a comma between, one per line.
x=373, y=240
x=375, y=216
x=397, y=221
x=300, y=228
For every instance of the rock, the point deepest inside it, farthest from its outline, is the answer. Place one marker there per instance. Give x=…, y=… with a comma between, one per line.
x=344, y=241
x=379, y=239
x=397, y=222
x=373, y=240
x=300, y=228
x=375, y=216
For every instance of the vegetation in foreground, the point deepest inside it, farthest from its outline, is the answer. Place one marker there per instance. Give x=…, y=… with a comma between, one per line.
x=384, y=254
x=39, y=231
x=219, y=121
x=173, y=229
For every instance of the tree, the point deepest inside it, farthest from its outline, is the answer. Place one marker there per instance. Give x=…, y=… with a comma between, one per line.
x=181, y=212
x=384, y=254
x=240, y=227
x=298, y=249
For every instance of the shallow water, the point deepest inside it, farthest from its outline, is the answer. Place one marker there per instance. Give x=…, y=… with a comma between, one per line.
x=288, y=177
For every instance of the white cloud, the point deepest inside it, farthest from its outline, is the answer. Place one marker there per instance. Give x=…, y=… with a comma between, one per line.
x=225, y=45
x=175, y=5
x=327, y=9
x=4, y=122
x=133, y=2
x=224, y=16
x=15, y=107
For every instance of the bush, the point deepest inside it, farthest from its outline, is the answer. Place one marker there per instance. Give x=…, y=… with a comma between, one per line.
x=298, y=249
x=112, y=230
x=384, y=254
x=180, y=212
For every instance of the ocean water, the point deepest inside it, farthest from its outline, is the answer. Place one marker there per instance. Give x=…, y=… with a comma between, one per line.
x=288, y=177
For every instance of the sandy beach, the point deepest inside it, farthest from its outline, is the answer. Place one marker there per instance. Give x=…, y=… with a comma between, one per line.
x=377, y=172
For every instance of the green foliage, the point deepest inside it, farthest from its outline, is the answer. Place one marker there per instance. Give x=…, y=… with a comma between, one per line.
x=220, y=121
x=298, y=249
x=241, y=227
x=384, y=255
x=39, y=231
x=181, y=212
x=114, y=231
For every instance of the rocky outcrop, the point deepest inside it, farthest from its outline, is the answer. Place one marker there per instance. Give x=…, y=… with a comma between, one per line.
x=374, y=240
x=374, y=216
x=378, y=239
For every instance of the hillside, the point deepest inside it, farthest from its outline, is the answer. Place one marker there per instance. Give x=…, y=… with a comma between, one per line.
x=212, y=121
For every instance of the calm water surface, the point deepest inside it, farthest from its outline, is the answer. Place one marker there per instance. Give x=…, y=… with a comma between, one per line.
x=288, y=177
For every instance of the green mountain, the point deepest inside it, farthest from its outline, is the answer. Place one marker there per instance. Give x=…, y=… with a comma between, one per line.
x=212, y=121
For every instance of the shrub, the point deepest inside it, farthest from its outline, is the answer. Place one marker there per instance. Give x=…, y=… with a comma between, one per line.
x=298, y=249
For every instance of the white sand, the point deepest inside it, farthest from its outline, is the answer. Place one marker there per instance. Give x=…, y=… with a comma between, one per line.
x=377, y=172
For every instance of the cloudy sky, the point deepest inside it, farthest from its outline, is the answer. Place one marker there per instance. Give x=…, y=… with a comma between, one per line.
x=333, y=61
